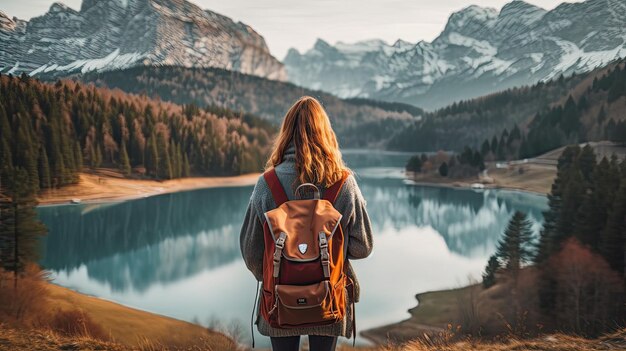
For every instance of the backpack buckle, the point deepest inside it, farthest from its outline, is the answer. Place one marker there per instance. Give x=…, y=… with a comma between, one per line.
x=325, y=256
x=278, y=252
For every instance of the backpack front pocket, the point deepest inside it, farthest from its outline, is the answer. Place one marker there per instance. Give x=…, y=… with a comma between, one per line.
x=305, y=305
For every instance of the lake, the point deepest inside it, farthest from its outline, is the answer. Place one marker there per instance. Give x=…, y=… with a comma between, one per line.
x=178, y=254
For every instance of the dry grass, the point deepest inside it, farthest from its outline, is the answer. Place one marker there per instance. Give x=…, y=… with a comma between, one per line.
x=537, y=178
x=76, y=323
x=137, y=328
x=12, y=338
x=17, y=339
x=552, y=342
x=56, y=314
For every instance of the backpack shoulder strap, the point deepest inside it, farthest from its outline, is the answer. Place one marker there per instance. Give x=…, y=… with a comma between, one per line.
x=333, y=191
x=278, y=193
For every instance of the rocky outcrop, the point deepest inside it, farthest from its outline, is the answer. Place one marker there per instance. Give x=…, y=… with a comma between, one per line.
x=113, y=34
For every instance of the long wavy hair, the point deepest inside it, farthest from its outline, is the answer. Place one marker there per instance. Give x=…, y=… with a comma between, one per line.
x=318, y=159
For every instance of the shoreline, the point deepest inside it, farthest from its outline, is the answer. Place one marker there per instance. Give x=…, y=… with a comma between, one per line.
x=467, y=186
x=431, y=315
x=530, y=178
x=104, y=188
x=107, y=186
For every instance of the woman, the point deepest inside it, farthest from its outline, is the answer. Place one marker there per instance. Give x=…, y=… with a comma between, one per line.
x=306, y=151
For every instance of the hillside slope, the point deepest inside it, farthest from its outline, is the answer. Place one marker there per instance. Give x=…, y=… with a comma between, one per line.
x=358, y=122
x=542, y=112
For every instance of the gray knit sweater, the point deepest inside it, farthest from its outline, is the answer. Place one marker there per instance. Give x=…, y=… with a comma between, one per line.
x=355, y=221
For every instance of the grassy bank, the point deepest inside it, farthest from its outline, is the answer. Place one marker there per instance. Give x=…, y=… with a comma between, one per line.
x=55, y=315
x=434, y=312
x=132, y=327
x=470, y=310
x=435, y=324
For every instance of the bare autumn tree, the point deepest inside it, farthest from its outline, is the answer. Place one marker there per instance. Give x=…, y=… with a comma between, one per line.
x=589, y=295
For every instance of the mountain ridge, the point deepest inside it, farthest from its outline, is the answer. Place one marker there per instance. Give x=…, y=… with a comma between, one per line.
x=115, y=34
x=480, y=51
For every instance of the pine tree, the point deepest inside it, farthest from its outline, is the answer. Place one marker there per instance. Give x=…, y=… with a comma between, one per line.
x=443, y=169
x=573, y=194
x=613, y=246
x=414, y=164
x=570, y=120
x=587, y=162
x=514, y=249
x=485, y=148
x=6, y=157
x=548, y=244
x=494, y=145
x=501, y=152
x=424, y=158
x=175, y=160
x=98, y=162
x=45, y=181
x=78, y=157
x=124, y=163
x=164, y=171
x=152, y=157
x=186, y=168
x=489, y=276
x=596, y=204
x=20, y=228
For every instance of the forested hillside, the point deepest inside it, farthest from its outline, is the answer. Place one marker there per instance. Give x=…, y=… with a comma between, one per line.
x=576, y=283
x=52, y=131
x=358, y=122
x=535, y=119
x=593, y=110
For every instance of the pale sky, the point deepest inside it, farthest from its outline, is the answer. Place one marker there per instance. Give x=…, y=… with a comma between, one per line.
x=297, y=23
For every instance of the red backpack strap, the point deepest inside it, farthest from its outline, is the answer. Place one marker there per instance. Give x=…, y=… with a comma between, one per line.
x=333, y=191
x=278, y=193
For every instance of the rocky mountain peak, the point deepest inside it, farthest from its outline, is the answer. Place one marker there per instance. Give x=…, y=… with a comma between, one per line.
x=5, y=22
x=471, y=16
x=113, y=34
x=322, y=45
x=521, y=11
x=481, y=50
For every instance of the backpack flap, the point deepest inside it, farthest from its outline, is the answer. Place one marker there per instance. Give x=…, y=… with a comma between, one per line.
x=302, y=221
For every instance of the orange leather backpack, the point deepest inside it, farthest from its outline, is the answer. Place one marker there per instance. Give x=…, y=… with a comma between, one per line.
x=303, y=265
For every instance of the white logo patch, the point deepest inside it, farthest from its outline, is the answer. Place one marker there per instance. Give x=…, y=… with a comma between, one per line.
x=302, y=248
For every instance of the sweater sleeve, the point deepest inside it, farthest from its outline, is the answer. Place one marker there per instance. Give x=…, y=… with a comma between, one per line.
x=358, y=226
x=251, y=239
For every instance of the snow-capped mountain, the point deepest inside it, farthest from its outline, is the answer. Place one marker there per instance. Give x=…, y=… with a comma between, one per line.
x=112, y=34
x=480, y=51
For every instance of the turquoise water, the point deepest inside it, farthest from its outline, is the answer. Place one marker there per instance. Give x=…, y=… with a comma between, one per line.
x=178, y=254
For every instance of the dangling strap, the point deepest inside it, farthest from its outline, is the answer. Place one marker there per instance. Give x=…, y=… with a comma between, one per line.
x=333, y=191
x=353, y=311
x=256, y=301
x=278, y=193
